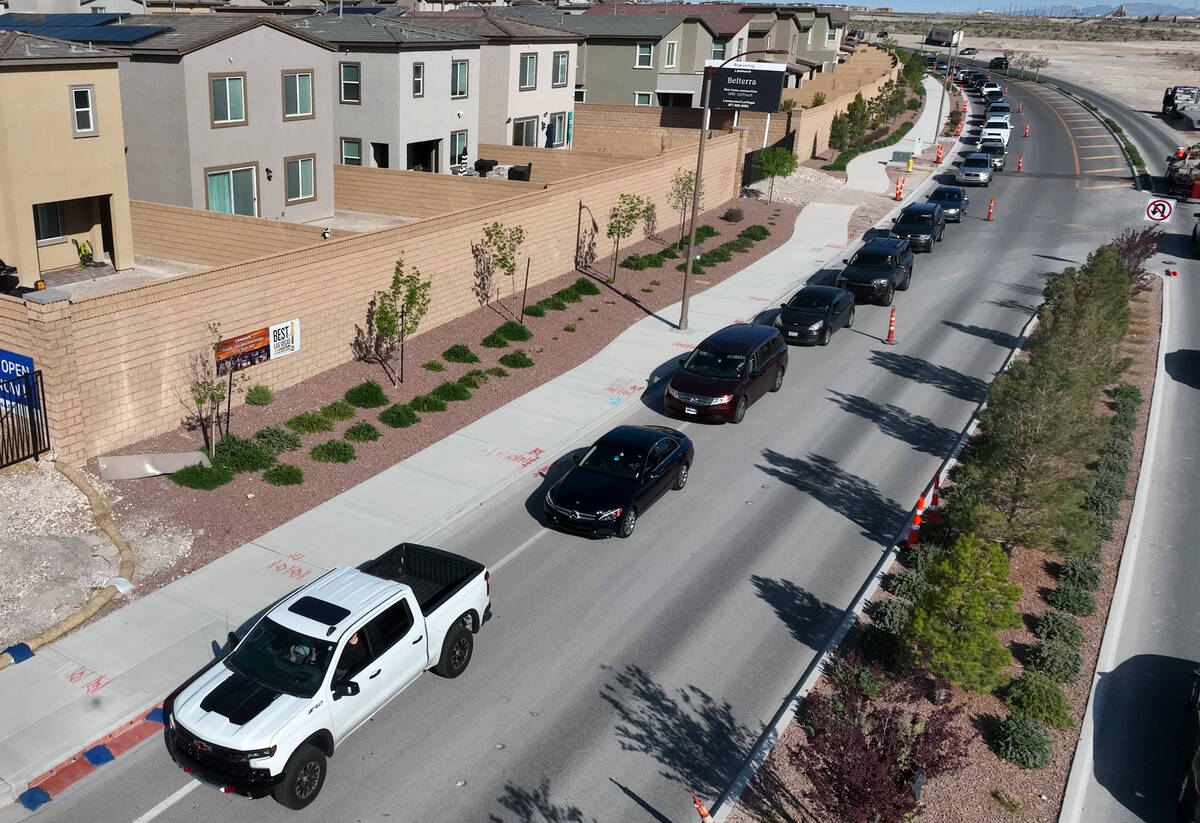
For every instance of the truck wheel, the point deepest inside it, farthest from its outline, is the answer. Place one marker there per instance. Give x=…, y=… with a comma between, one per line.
x=456, y=651
x=303, y=777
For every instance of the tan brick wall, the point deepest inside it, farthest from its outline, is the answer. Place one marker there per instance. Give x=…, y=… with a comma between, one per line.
x=416, y=193
x=119, y=369
x=15, y=335
x=552, y=165
x=640, y=130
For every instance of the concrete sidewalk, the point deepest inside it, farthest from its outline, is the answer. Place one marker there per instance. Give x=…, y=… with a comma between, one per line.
x=868, y=171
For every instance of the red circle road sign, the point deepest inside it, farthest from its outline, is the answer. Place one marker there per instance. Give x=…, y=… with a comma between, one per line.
x=1158, y=210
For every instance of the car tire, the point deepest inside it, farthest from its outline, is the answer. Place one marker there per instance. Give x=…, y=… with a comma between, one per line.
x=890, y=296
x=778, y=384
x=739, y=411
x=457, y=649
x=681, y=476
x=850, y=318
x=907, y=280
x=627, y=523
x=303, y=777
x=941, y=234
x=825, y=335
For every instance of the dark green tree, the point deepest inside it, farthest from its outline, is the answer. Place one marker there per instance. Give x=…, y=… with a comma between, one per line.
x=839, y=132
x=776, y=161
x=857, y=117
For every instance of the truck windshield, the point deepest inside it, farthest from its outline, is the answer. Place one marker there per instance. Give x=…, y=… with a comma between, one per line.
x=282, y=659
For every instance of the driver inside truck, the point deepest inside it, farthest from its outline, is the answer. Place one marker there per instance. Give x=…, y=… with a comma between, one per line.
x=353, y=658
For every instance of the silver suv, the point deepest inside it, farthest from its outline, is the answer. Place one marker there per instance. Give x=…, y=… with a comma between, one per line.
x=976, y=170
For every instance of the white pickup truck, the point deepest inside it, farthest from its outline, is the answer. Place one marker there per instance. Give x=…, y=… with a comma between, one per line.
x=319, y=664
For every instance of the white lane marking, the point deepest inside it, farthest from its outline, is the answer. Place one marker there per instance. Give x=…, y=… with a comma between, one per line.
x=510, y=556
x=169, y=802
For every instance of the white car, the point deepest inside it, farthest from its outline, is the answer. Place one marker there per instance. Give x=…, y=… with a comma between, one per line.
x=996, y=129
x=999, y=111
x=990, y=85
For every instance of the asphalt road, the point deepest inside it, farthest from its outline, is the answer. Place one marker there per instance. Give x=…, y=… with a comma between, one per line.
x=619, y=674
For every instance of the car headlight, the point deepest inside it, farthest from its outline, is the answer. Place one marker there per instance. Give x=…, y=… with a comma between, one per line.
x=879, y=281
x=171, y=720
x=611, y=514
x=722, y=400
x=259, y=754
x=671, y=391
x=778, y=321
x=817, y=326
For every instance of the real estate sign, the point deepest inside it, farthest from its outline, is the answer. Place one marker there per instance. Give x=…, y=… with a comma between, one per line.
x=257, y=346
x=12, y=366
x=745, y=86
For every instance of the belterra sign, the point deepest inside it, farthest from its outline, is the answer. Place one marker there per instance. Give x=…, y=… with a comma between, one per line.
x=745, y=86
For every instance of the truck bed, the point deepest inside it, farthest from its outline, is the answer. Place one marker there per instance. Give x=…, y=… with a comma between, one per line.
x=432, y=574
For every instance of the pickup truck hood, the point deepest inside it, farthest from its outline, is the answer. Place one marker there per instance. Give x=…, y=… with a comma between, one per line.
x=231, y=710
x=864, y=274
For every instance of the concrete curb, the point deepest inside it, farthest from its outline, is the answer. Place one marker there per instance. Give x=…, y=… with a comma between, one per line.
x=1081, y=762
x=100, y=599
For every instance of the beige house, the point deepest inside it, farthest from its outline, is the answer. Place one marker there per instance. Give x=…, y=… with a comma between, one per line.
x=62, y=156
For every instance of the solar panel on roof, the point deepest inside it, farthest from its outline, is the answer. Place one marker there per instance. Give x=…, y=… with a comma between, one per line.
x=56, y=20
x=359, y=10
x=99, y=35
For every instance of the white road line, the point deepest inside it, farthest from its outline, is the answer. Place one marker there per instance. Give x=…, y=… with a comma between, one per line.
x=496, y=567
x=169, y=802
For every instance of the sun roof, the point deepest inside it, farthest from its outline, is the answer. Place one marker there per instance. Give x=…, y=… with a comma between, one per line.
x=321, y=611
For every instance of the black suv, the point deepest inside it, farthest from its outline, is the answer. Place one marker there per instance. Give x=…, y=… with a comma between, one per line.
x=878, y=269
x=998, y=63
x=923, y=224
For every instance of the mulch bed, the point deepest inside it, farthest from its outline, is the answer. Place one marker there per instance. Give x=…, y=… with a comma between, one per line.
x=777, y=792
x=236, y=513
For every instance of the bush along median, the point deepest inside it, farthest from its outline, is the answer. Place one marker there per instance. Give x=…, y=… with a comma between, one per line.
x=1045, y=473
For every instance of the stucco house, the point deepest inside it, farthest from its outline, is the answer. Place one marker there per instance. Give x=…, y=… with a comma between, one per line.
x=405, y=94
x=62, y=156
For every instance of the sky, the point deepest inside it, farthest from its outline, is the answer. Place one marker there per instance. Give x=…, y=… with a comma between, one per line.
x=968, y=6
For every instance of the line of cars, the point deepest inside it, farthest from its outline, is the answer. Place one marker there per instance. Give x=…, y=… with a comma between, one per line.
x=991, y=156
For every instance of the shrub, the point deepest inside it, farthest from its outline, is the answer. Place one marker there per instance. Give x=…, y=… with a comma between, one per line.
x=433, y=365
x=460, y=354
x=1060, y=627
x=516, y=360
x=633, y=262
x=733, y=215
x=284, y=474
x=427, y=403
x=1071, y=599
x=332, y=451
x=924, y=555
x=1078, y=571
x=913, y=104
x=496, y=371
x=568, y=295
x=362, y=432
x=399, y=416
x=891, y=615
x=338, y=410
x=473, y=379
x=367, y=395
x=278, y=439
x=705, y=231
x=1056, y=660
x=586, y=287
x=553, y=303
x=242, y=454
x=1035, y=695
x=1023, y=740
x=451, y=392
x=907, y=583
x=310, y=423
x=204, y=478
x=533, y=310
x=514, y=331
x=496, y=340
x=259, y=395
x=755, y=232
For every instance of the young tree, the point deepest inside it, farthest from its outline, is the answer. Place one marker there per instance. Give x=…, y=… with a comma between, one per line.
x=621, y=220
x=955, y=620
x=787, y=107
x=839, y=132
x=392, y=317
x=857, y=116
x=205, y=392
x=502, y=243
x=679, y=197
x=485, y=273
x=1134, y=247
x=775, y=162
x=1037, y=64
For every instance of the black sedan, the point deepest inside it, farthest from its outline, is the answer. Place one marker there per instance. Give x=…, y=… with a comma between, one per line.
x=814, y=313
x=953, y=200
x=618, y=478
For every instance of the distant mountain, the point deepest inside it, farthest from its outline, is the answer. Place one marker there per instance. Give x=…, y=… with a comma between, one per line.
x=1140, y=9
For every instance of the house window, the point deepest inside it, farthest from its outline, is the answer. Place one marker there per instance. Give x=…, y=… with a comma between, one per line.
x=419, y=79
x=300, y=178
x=644, y=56
x=458, y=78
x=769, y=39
x=528, y=77
x=741, y=45
x=580, y=95
x=232, y=191
x=83, y=111
x=718, y=52
x=228, y=100
x=561, y=61
x=641, y=98
x=830, y=35
x=672, y=46
x=458, y=147
x=558, y=124
x=351, y=82
x=297, y=95
x=795, y=41
x=351, y=151
x=525, y=131
x=48, y=223
x=98, y=10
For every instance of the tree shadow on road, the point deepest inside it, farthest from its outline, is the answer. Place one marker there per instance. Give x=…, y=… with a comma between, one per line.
x=1000, y=338
x=1183, y=365
x=810, y=619
x=954, y=383
x=1014, y=305
x=533, y=805
x=847, y=494
x=919, y=432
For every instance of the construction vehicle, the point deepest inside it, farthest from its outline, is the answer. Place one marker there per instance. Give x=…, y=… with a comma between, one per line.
x=1183, y=172
x=944, y=37
x=1175, y=98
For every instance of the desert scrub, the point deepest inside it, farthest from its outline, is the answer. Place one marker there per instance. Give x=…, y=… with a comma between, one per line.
x=362, y=432
x=533, y=310
x=585, y=287
x=1023, y=740
x=332, y=451
x=451, y=392
x=1072, y=599
x=242, y=454
x=309, y=423
x=367, y=395
x=516, y=360
x=496, y=371
x=460, y=354
x=1056, y=659
x=1036, y=695
x=514, y=331
x=204, y=478
x=433, y=365
x=399, y=416
x=1059, y=626
x=278, y=439
x=284, y=474
x=474, y=378
x=338, y=410
x=259, y=395
x=427, y=403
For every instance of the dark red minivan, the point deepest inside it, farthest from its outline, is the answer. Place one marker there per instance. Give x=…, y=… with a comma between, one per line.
x=727, y=372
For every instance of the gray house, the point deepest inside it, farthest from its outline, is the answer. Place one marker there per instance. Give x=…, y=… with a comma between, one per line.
x=406, y=94
x=231, y=114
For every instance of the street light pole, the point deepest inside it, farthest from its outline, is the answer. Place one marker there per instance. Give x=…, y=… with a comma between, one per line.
x=705, y=88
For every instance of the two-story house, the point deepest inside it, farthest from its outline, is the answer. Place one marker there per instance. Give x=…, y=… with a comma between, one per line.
x=230, y=113
x=731, y=28
x=62, y=155
x=406, y=94
x=527, y=75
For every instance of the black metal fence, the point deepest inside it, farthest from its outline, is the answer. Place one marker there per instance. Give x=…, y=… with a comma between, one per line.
x=24, y=431
x=750, y=172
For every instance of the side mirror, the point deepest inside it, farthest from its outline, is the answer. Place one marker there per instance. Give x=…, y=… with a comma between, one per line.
x=233, y=640
x=346, y=688
x=682, y=360
x=893, y=219
x=783, y=305
x=575, y=459
x=847, y=261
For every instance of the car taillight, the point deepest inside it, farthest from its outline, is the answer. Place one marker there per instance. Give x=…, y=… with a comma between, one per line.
x=487, y=579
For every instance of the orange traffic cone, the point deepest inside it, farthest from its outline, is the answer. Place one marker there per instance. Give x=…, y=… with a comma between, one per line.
x=1018, y=107
x=1020, y=161
x=964, y=106
x=939, y=154
x=991, y=205
x=914, y=533
x=958, y=129
x=705, y=817
x=936, y=500
x=891, y=338
x=1026, y=128
x=1006, y=90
